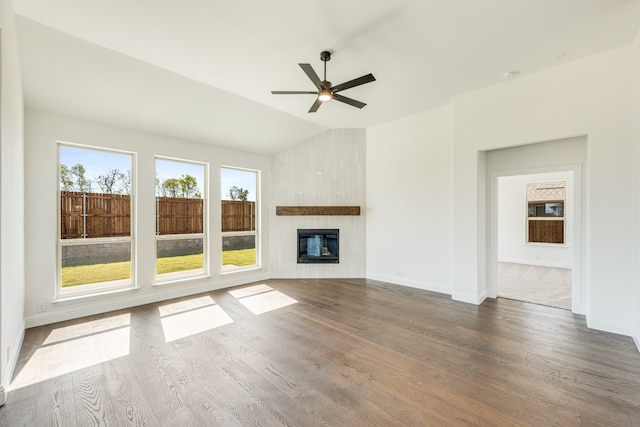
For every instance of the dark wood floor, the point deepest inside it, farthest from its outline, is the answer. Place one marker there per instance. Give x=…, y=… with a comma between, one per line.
x=335, y=353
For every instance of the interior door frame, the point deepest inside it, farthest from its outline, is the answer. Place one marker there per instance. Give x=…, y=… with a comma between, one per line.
x=578, y=288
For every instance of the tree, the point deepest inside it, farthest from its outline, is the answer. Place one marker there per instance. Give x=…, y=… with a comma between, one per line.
x=189, y=187
x=184, y=187
x=81, y=182
x=66, y=178
x=125, y=182
x=110, y=182
x=171, y=187
x=74, y=179
x=236, y=193
x=109, y=179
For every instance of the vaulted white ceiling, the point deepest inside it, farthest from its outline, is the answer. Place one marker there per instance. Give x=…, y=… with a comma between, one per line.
x=203, y=69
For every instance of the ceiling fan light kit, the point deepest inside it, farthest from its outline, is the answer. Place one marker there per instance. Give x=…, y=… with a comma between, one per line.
x=325, y=90
x=325, y=95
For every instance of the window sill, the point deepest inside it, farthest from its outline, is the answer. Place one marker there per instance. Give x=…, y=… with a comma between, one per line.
x=545, y=218
x=240, y=270
x=69, y=298
x=179, y=280
x=555, y=245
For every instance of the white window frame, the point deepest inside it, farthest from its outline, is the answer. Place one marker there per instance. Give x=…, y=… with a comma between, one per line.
x=255, y=233
x=92, y=288
x=187, y=274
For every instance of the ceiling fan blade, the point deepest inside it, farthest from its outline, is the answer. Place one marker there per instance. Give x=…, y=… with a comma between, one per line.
x=349, y=101
x=353, y=83
x=308, y=70
x=291, y=92
x=315, y=106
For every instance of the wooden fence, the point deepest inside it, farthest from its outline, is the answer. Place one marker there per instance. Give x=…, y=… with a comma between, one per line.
x=92, y=215
x=238, y=216
x=178, y=215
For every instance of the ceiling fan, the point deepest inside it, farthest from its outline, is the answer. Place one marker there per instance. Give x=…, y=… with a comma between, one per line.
x=325, y=90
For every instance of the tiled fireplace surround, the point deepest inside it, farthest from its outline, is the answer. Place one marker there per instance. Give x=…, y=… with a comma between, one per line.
x=327, y=170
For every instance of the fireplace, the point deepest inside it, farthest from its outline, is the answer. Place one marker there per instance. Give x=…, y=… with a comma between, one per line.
x=319, y=246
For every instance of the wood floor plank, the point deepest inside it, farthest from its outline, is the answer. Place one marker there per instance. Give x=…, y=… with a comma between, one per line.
x=156, y=364
x=92, y=404
x=215, y=386
x=345, y=367
x=130, y=404
x=55, y=409
x=339, y=352
x=275, y=366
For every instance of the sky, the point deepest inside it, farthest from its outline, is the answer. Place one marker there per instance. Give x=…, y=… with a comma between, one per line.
x=97, y=162
x=239, y=178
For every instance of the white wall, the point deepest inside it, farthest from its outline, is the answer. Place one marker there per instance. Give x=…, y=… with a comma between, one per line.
x=12, y=262
x=328, y=169
x=42, y=132
x=512, y=222
x=636, y=158
x=410, y=201
x=592, y=97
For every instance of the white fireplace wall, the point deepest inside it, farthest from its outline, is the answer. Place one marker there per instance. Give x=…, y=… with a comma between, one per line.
x=327, y=170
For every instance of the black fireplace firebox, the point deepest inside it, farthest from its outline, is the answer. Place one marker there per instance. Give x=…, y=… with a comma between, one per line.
x=319, y=246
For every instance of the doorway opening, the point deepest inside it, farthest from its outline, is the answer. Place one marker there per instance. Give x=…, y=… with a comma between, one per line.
x=541, y=160
x=543, y=268
x=535, y=238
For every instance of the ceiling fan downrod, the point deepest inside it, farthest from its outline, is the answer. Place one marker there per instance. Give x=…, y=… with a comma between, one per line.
x=325, y=56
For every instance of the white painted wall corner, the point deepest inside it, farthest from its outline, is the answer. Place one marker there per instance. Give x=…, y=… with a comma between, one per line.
x=615, y=328
x=470, y=298
x=425, y=286
x=11, y=364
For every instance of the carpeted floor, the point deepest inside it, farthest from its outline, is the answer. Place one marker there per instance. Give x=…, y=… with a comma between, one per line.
x=540, y=285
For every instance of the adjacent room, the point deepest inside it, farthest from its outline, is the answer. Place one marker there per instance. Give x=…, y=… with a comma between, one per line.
x=423, y=212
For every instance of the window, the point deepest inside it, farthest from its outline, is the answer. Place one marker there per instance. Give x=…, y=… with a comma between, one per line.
x=95, y=228
x=545, y=212
x=180, y=212
x=239, y=219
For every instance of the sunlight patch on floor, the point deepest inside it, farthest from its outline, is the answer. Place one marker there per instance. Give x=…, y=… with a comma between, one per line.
x=250, y=290
x=262, y=298
x=86, y=328
x=76, y=347
x=191, y=317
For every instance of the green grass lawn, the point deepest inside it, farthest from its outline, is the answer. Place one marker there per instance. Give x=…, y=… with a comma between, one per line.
x=85, y=274
x=239, y=258
x=179, y=263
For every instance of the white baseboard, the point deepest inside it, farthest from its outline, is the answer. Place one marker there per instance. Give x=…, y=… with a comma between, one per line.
x=536, y=263
x=11, y=364
x=606, y=326
x=401, y=281
x=77, y=309
x=470, y=298
x=636, y=339
x=433, y=287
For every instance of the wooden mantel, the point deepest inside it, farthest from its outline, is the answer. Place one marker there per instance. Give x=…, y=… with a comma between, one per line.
x=317, y=210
